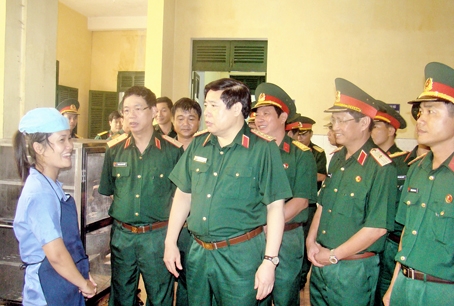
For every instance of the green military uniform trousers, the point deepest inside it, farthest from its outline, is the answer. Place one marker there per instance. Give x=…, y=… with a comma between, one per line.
x=411, y=292
x=349, y=282
x=227, y=273
x=135, y=254
x=184, y=244
x=306, y=227
x=387, y=264
x=289, y=269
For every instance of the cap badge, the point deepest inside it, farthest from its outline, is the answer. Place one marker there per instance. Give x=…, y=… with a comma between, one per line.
x=262, y=97
x=448, y=198
x=428, y=85
x=285, y=166
x=73, y=107
x=358, y=179
x=338, y=96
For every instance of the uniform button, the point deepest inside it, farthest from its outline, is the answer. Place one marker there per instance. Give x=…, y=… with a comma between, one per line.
x=197, y=170
x=161, y=175
x=414, y=232
x=335, y=189
x=137, y=196
x=408, y=202
x=118, y=174
x=442, y=213
x=352, y=194
x=222, y=152
x=215, y=174
x=323, y=185
x=342, y=169
x=204, y=218
x=139, y=176
x=431, y=177
x=329, y=210
x=140, y=157
x=208, y=195
x=323, y=232
x=423, y=205
x=403, y=258
x=136, y=214
x=237, y=174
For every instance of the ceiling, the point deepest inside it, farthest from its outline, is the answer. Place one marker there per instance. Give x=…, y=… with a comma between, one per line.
x=111, y=14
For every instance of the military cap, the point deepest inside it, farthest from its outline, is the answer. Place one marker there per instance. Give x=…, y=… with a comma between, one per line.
x=271, y=94
x=389, y=115
x=301, y=123
x=439, y=85
x=351, y=97
x=69, y=105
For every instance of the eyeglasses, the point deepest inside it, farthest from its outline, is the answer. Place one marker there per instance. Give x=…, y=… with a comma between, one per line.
x=340, y=122
x=137, y=110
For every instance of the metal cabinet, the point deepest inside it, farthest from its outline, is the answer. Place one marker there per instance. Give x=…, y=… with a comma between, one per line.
x=81, y=181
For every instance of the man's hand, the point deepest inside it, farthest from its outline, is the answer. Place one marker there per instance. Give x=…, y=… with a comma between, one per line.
x=313, y=249
x=172, y=259
x=264, y=279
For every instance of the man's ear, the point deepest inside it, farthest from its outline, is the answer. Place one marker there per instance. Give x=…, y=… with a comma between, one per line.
x=283, y=117
x=365, y=122
x=238, y=109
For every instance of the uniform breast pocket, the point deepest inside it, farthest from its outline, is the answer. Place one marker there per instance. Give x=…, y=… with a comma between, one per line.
x=238, y=183
x=354, y=203
x=121, y=175
x=443, y=225
x=199, y=172
x=160, y=183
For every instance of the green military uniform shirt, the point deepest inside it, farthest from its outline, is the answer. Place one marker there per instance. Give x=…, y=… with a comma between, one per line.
x=139, y=181
x=427, y=210
x=300, y=167
x=358, y=192
x=230, y=186
x=320, y=159
x=172, y=132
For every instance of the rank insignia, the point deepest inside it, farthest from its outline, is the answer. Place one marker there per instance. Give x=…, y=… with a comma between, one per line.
x=358, y=179
x=157, y=142
x=362, y=157
x=127, y=142
x=285, y=166
x=245, y=141
x=286, y=147
x=448, y=198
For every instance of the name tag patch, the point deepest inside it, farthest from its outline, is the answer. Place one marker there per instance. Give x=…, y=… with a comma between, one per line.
x=200, y=159
x=120, y=164
x=413, y=190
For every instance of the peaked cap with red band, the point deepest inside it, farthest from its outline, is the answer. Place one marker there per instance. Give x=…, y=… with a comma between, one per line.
x=389, y=115
x=270, y=94
x=301, y=123
x=439, y=85
x=351, y=97
x=69, y=105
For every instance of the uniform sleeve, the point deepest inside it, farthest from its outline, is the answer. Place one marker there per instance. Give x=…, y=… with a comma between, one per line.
x=180, y=174
x=382, y=199
x=321, y=162
x=305, y=184
x=43, y=217
x=273, y=183
x=107, y=183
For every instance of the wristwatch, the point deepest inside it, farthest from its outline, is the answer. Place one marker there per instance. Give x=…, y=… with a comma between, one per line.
x=273, y=259
x=332, y=258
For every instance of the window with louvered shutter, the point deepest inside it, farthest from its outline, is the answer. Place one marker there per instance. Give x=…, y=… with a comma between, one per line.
x=101, y=104
x=65, y=92
x=126, y=79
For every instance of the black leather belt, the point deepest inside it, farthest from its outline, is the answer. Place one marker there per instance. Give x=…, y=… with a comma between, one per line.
x=394, y=238
x=415, y=274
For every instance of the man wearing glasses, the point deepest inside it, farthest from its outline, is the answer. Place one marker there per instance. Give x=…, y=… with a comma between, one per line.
x=135, y=172
x=357, y=205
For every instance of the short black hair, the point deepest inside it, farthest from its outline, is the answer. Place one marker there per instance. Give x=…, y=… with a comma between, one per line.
x=114, y=115
x=141, y=91
x=165, y=100
x=187, y=104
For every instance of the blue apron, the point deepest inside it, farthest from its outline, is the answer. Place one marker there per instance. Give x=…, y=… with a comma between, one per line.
x=56, y=289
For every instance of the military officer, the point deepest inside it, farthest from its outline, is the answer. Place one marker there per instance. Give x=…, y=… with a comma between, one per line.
x=135, y=171
x=70, y=109
x=115, y=123
x=231, y=181
x=357, y=205
x=273, y=108
x=424, y=272
x=164, y=117
x=386, y=123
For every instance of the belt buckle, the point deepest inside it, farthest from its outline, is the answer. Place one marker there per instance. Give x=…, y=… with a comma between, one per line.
x=410, y=273
x=134, y=229
x=207, y=245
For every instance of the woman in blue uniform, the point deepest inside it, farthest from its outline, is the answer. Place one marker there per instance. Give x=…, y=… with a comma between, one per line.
x=46, y=223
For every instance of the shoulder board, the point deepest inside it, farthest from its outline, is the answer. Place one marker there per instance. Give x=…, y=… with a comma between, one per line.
x=120, y=138
x=263, y=135
x=301, y=146
x=173, y=141
x=380, y=157
x=337, y=150
x=201, y=132
x=317, y=148
x=397, y=154
x=417, y=158
x=103, y=133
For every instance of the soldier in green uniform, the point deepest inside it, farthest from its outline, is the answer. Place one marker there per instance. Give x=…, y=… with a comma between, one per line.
x=273, y=108
x=424, y=272
x=386, y=123
x=230, y=182
x=70, y=109
x=115, y=123
x=136, y=169
x=164, y=117
x=300, y=129
x=186, y=115
x=357, y=206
